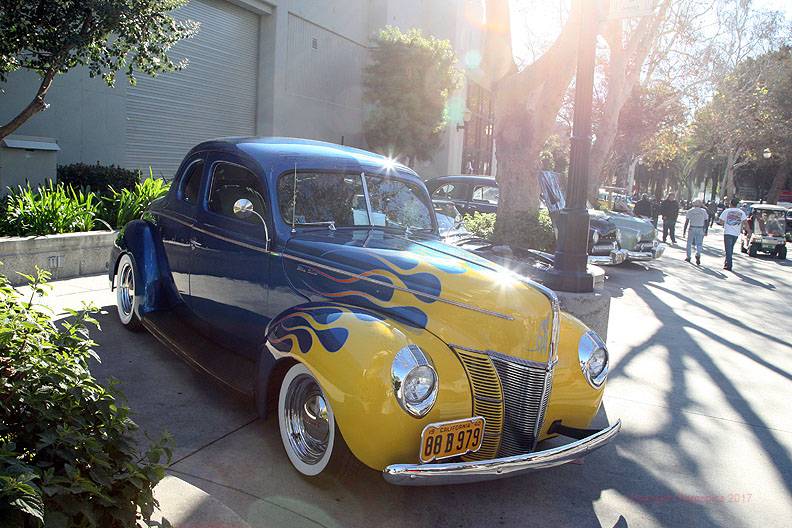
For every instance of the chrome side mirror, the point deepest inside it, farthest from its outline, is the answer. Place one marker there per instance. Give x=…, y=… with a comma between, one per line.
x=244, y=208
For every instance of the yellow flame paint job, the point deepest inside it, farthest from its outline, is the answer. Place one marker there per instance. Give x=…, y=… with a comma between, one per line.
x=357, y=381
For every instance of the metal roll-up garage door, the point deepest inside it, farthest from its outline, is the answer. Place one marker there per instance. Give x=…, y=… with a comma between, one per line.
x=215, y=95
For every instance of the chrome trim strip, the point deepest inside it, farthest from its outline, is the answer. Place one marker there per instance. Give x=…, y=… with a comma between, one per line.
x=483, y=470
x=408, y=290
x=339, y=271
x=215, y=235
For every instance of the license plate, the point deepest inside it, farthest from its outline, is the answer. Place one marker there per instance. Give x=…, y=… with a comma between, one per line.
x=448, y=439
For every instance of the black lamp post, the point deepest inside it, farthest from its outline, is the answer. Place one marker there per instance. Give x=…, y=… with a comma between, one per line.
x=569, y=271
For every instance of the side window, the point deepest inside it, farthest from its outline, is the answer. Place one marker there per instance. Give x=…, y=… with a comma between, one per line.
x=486, y=194
x=191, y=182
x=230, y=183
x=450, y=191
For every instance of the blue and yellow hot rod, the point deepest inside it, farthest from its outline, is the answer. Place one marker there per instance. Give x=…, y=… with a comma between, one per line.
x=312, y=277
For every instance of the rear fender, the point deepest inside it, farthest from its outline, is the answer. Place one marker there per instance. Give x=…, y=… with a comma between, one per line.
x=141, y=240
x=350, y=351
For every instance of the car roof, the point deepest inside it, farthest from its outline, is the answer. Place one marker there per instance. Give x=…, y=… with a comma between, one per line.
x=280, y=154
x=463, y=178
x=768, y=207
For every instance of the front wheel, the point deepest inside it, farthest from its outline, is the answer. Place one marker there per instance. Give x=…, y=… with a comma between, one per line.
x=127, y=302
x=753, y=249
x=781, y=252
x=307, y=425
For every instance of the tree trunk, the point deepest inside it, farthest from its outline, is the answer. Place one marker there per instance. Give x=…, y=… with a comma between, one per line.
x=728, y=187
x=36, y=105
x=526, y=107
x=778, y=182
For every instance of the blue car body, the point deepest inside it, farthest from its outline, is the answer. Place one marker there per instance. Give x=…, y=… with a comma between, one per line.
x=208, y=280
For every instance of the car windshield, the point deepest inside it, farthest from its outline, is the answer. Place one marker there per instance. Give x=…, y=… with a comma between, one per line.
x=449, y=220
x=315, y=199
x=770, y=223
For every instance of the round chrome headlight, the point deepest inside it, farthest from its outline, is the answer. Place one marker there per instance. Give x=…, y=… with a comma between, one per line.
x=414, y=381
x=593, y=356
x=595, y=237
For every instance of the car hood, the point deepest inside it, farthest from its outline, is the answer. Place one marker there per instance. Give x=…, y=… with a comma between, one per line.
x=623, y=221
x=463, y=299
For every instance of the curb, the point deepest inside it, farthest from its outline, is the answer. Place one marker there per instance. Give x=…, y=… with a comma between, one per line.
x=185, y=506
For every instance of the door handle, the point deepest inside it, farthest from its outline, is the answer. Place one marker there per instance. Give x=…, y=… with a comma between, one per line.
x=195, y=243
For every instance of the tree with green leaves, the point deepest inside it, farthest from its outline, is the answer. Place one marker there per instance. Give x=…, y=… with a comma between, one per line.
x=50, y=37
x=407, y=84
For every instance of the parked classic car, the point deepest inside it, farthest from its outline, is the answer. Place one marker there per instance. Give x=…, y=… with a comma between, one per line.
x=472, y=194
x=637, y=235
x=312, y=277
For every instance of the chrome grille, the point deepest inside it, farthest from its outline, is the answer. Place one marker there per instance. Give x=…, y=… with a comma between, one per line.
x=512, y=396
x=487, y=401
x=526, y=390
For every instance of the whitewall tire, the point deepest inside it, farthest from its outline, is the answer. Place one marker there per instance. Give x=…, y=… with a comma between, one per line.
x=127, y=302
x=308, y=428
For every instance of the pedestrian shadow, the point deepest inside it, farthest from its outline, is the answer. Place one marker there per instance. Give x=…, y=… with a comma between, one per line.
x=754, y=282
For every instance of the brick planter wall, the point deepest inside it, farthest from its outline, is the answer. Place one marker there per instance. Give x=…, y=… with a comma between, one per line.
x=65, y=256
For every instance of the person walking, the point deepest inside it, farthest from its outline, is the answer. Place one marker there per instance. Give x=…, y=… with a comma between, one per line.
x=732, y=219
x=712, y=208
x=643, y=207
x=669, y=209
x=696, y=223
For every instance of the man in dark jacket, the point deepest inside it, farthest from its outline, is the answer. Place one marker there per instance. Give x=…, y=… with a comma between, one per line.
x=669, y=209
x=643, y=207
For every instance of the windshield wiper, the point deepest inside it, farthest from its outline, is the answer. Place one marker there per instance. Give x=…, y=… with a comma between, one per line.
x=329, y=223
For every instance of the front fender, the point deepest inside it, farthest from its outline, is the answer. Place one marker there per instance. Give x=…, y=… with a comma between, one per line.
x=142, y=241
x=572, y=399
x=350, y=352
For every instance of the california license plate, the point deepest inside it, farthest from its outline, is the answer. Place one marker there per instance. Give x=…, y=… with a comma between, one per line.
x=448, y=439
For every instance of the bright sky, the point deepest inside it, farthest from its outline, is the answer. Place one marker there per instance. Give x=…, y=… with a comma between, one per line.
x=535, y=23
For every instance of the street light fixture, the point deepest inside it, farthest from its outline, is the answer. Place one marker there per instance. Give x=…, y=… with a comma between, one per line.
x=767, y=154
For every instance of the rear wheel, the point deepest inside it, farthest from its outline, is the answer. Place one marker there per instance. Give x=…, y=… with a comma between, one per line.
x=127, y=302
x=308, y=429
x=743, y=248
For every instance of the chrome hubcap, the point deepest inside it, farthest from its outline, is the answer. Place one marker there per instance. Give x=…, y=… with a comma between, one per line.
x=307, y=422
x=126, y=289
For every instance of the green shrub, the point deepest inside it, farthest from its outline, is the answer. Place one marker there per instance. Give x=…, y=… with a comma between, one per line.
x=67, y=453
x=48, y=210
x=97, y=178
x=127, y=205
x=535, y=230
x=481, y=224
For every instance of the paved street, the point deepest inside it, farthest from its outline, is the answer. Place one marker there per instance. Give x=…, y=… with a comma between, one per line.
x=702, y=364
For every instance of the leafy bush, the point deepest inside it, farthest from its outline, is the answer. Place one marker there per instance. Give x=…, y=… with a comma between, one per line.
x=535, y=231
x=481, y=224
x=48, y=210
x=97, y=178
x=127, y=205
x=67, y=453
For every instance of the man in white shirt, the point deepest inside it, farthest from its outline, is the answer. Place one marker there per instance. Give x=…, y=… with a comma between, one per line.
x=732, y=220
x=696, y=222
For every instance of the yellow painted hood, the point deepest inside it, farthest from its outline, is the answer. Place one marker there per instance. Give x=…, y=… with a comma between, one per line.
x=466, y=301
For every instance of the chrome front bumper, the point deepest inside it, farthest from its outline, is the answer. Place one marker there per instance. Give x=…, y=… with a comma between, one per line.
x=655, y=253
x=616, y=257
x=478, y=471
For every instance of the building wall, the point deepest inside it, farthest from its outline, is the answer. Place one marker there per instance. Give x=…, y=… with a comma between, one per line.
x=310, y=61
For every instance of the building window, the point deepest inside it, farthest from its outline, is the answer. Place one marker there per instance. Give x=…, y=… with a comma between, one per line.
x=478, y=139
